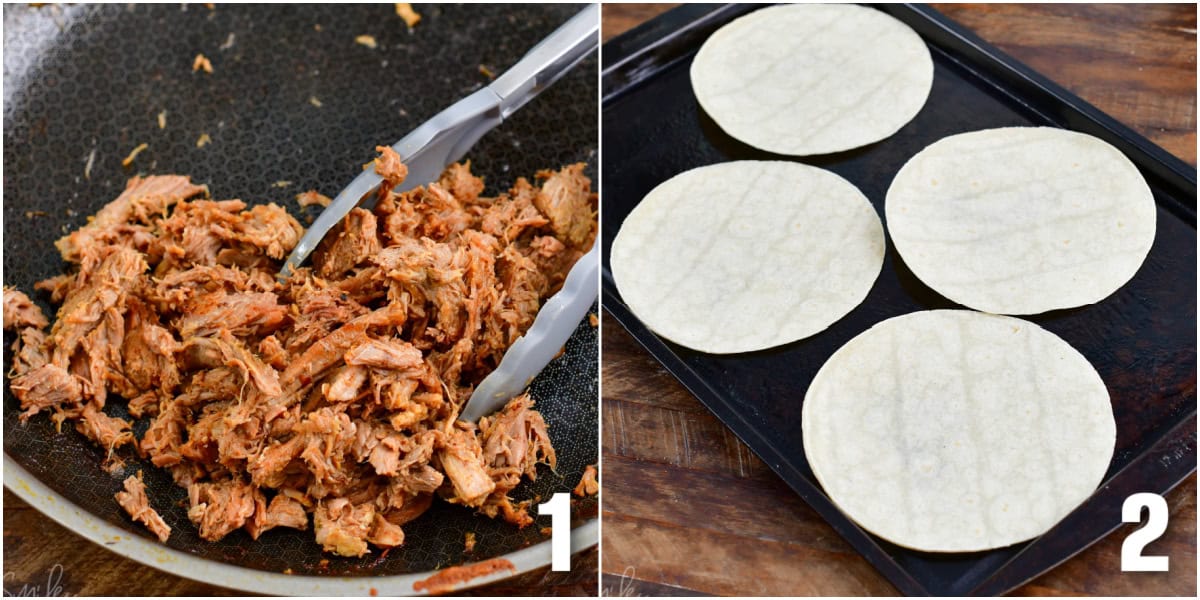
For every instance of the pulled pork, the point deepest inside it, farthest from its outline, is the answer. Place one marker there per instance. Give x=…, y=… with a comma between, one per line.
x=588, y=486
x=334, y=394
x=135, y=502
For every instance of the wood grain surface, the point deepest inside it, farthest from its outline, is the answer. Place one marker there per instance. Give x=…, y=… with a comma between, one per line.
x=690, y=510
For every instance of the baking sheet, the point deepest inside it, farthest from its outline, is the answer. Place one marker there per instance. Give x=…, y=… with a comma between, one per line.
x=1141, y=339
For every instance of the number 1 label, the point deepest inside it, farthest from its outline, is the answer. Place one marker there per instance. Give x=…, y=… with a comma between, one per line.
x=559, y=509
x=1156, y=524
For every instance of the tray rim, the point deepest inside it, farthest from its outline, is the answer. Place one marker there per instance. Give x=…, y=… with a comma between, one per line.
x=620, y=60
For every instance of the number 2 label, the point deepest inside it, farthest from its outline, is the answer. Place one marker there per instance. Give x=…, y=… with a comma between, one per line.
x=559, y=509
x=1156, y=524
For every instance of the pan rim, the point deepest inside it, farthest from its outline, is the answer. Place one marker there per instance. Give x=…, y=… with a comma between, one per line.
x=153, y=554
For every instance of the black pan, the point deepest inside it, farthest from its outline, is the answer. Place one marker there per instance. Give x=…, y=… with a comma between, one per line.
x=89, y=81
x=1142, y=339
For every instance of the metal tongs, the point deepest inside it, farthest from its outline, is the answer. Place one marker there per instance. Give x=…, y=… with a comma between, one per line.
x=444, y=140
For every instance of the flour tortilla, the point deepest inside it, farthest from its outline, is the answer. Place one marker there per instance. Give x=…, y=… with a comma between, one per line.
x=747, y=255
x=809, y=79
x=1021, y=220
x=957, y=431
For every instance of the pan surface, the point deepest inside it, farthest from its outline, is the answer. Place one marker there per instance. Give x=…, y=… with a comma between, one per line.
x=293, y=103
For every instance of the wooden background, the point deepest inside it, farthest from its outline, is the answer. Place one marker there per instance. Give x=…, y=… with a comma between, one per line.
x=688, y=509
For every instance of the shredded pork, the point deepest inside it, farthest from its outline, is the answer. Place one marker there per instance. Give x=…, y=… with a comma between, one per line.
x=588, y=486
x=135, y=502
x=334, y=394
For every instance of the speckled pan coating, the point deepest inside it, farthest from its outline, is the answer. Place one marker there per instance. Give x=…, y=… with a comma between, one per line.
x=80, y=78
x=1021, y=220
x=747, y=255
x=809, y=79
x=957, y=431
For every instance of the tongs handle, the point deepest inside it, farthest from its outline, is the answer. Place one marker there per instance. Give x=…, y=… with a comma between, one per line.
x=447, y=137
x=546, y=62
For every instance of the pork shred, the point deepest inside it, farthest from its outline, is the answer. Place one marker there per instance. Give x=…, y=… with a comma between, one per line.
x=588, y=486
x=135, y=502
x=332, y=396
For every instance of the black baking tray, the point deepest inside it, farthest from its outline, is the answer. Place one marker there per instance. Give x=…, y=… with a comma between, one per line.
x=1142, y=339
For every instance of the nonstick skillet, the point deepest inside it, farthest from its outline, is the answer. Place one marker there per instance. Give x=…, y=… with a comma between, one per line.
x=293, y=103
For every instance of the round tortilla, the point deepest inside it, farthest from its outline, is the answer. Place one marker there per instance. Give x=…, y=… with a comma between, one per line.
x=747, y=255
x=1021, y=220
x=958, y=431
x=809, y=79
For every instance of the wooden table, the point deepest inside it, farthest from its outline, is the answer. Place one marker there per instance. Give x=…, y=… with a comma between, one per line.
x=688, y=509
